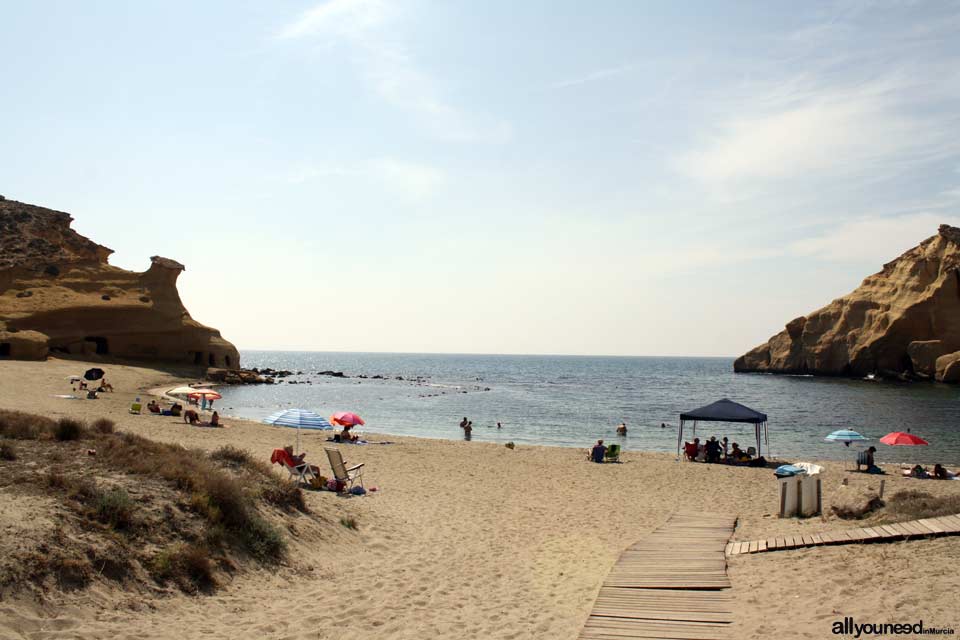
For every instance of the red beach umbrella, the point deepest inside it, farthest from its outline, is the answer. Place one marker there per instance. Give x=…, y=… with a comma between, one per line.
x=900, y=438
x=346, y=419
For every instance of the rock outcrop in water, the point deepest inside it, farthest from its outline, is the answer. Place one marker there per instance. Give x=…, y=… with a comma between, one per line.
x=59, y=294
x=903, y=321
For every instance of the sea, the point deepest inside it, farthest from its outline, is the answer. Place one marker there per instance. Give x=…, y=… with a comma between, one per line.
x=571, y=401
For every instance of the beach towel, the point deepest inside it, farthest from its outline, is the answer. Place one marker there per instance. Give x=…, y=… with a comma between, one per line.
x=280, y=456
x=787, y=470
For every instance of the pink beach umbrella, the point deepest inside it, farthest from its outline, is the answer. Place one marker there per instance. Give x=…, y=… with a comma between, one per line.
x=346, y=419
x=209, y=394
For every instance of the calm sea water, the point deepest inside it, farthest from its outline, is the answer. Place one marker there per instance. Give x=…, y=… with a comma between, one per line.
x=571, y=401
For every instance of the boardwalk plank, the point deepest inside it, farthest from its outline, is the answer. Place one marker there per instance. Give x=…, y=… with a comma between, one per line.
x=670, y=584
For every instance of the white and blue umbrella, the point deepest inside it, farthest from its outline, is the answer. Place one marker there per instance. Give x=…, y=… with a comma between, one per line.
x=846, y=436
x=299, y=418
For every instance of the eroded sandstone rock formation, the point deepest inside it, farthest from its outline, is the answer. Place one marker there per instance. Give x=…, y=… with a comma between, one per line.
x=59, y=294
x=903, y=321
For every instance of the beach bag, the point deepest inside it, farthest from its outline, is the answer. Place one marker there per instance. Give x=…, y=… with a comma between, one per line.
x=318, y=482
x=358, y=491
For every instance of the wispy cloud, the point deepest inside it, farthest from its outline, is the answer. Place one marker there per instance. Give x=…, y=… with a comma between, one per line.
x=599, y=74
x=370, y=29
x=871, y=239
x=414, y=180
x=841, y=101
x=351, y=18
x=826, y=135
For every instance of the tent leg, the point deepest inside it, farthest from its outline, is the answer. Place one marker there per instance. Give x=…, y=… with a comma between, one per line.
x=679, y=438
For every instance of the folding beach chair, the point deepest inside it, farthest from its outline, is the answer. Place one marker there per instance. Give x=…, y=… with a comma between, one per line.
x=613, y=453
x=346, y=475
x=302, y=472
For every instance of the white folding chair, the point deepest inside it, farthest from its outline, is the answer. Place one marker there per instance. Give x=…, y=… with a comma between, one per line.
x=347, y=475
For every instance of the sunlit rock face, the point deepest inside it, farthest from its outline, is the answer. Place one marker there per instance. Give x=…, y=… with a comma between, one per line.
x=59, y=294
x=903, y=321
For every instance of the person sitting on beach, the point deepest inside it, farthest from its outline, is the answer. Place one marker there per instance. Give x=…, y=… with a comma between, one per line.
x=598, y=451
x=346, y=436
x=215, y=419
x=176, y=409
x=83, y=385
x=105, y=386
x=153, y=406
x=871, y=465
x=622, y=429
x=299, y=460
x=690, y=449
x=91, y=394
x=713, y=450
x=737, y=454
x=919, y=472
x=191, y=416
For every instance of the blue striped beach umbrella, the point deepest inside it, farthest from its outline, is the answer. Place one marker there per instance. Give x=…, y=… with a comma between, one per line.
x=299, y=418
x=846, y=436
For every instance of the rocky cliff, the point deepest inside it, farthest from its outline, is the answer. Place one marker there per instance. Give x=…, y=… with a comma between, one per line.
x=59, y=294
x=903, y=321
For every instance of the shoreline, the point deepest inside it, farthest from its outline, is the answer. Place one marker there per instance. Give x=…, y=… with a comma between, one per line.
x=471, y=540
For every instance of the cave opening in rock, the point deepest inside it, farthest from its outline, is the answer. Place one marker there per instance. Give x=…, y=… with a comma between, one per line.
x=197, y=357
x=227, y=360
x=5, y=349
x=102, y=348
x=211, y=360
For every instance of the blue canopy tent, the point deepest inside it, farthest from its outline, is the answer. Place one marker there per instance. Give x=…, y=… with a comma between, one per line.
x=724, y=411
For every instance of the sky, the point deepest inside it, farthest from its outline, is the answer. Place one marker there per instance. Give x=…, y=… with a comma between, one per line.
x=556, y=177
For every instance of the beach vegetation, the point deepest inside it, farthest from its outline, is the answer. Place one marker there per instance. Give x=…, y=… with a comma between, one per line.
x=857, y=511
x=913, y=504
x=68, y=429
x=114, y=507
x=103, y=425
x=18, y=425
x=207, y=513
x=186, y=564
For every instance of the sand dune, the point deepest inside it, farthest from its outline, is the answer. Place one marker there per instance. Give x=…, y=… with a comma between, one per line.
x=474, y=541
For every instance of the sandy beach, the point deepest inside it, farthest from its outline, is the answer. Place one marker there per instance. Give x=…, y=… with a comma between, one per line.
x=472, y=540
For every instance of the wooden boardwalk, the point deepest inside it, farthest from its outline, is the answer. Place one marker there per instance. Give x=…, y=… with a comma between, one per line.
x=923, y=528
x=669, y=585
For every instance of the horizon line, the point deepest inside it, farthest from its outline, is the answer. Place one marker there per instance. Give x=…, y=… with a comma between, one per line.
x=456, y=353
